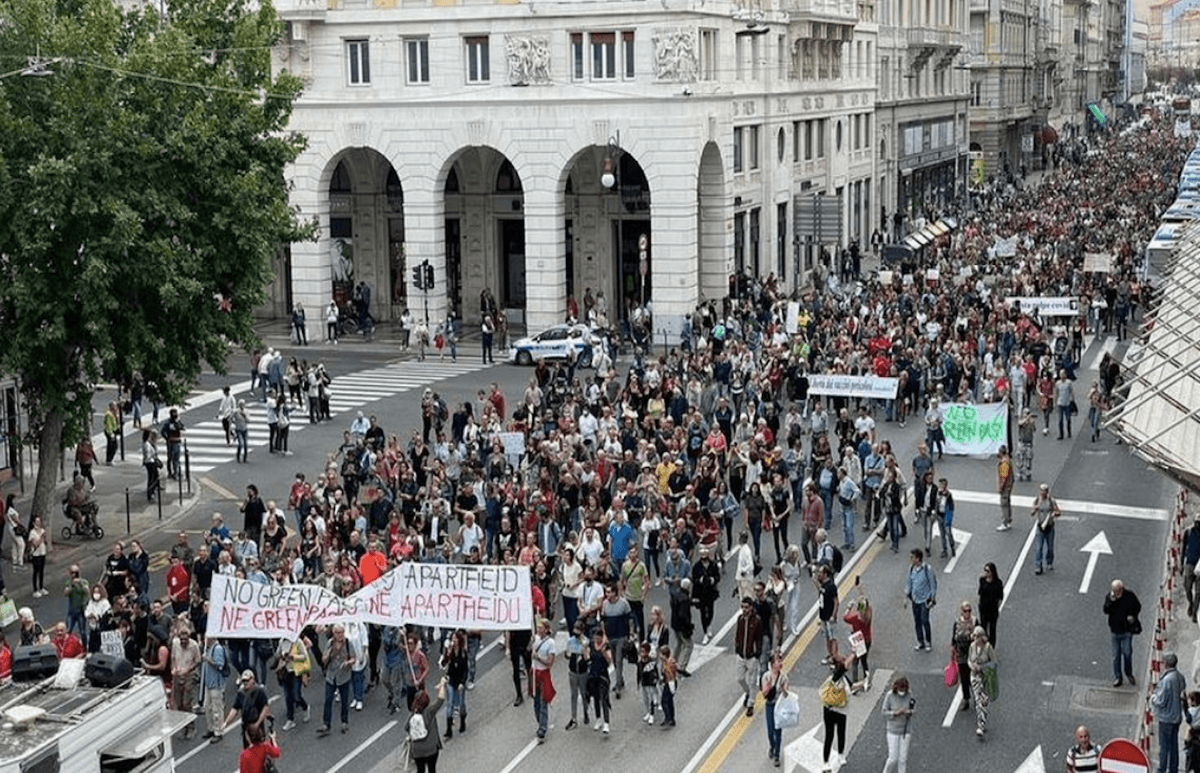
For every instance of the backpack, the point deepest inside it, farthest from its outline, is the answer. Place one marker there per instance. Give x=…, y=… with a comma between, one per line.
x=417, y=731
x=225, y=670
x=838, y=560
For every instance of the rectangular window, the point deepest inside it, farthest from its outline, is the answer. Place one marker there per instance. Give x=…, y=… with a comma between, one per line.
x=478, y=59
x=820, y=141
x=708, y=55
x=739, y=242
x=781, y=231
x=755, y=57
x=604, y=55
x=797, y=137
x=809, y=136
x=781, y=56
x=739, y=54
x=358, y=56
x=752, y=135
x=737, y=149
x=627, y=52
x=756, y=241
x=417, y=50
x=577, y=56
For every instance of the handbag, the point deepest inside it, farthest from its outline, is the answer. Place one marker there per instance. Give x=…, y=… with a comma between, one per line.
x=991, y=681
x=1074, y=408
x=767, y=523
x=833, y=695
x=629, y=651
x=1135, y=627
x=950, y=673
x=787, y=710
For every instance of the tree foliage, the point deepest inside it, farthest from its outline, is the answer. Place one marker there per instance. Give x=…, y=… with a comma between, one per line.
x=142, y=195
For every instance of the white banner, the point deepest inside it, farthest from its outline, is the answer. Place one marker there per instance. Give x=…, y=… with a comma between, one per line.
x=1100, y=262
x=872, y=387
x=1006, y=248
x=974, y=430
x=442, y=595
x=1064, y=306
x=791, y=322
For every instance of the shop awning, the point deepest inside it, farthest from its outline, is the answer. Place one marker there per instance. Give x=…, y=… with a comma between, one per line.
x=926, y=234
x=1158, y=407
x=1097, y=113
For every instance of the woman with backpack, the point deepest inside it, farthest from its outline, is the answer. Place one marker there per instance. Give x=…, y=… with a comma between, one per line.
x=422, y=728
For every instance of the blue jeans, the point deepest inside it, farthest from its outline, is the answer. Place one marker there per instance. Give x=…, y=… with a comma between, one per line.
x=456, y=698
x=1045, y=545
x=541, y=710
x=343, y=691
x=75, y=620
x=848, y=523
x=473, y=643
x=1122, y=649
x=358, y=683
x=1168, y=747
x=948, y=539
x=921, y=623
x=893, y=525
x=668, y=704
x=774, y=734
x=827, y=501
x=292, y=695
x=1064, y=415
x=243, y=444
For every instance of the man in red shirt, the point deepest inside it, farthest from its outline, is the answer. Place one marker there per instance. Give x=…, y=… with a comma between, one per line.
x=67, y=645
x=373, y=564
x=178, y=585
x=496, y=398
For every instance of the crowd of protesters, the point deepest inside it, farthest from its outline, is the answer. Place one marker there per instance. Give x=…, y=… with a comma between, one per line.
x=673, y=474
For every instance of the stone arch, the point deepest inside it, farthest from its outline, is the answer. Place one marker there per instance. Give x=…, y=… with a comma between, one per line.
x=712, y=206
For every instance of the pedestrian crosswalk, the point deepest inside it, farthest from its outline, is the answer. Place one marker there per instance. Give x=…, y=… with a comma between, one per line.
x=206, y=439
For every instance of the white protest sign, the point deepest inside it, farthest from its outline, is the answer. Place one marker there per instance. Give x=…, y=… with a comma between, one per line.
x=872, y=387
x=439, y=595
x=791, y=322
x=1006, y=248
x=111, y=644
x=972, y=430
x=513, y=442
x=1100, y=262
x=1064, y=306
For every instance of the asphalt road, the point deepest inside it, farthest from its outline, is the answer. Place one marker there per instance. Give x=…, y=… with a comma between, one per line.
x=1053, y=640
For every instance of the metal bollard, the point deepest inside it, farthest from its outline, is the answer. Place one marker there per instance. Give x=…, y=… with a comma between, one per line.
x=127, y=516
x=187, y=466
x=158, y=492
x=179, y=480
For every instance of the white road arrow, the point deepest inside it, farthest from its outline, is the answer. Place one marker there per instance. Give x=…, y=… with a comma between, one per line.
x=961, y=538
x=1095, y=546
x=1033, y=763
x=701, y=654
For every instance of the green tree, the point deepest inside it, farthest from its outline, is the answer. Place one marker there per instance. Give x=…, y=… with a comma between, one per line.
x=142, y=197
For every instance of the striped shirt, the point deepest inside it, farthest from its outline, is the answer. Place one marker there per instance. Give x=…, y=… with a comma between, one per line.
x=1081, y=761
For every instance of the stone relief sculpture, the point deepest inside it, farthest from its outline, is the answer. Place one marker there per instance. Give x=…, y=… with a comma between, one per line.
x=528, y=59
x=675, y=55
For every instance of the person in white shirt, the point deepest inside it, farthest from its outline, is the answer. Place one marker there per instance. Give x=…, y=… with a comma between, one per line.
x=225, y=413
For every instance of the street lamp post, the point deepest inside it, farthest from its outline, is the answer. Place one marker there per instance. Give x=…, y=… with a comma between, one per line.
x=610, y=178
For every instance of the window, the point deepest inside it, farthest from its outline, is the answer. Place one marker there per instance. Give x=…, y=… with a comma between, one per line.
x=359, y=59
x=737, y=149
x=752, y=133
x=809, y=136
x=477, y=59
x=820, y=141
x=417, y=50
x=756, y=241
x=577, y=56
x=708, y=55
x=739, y=55
x=627, y=52
x=604, y=55
x=739, y=242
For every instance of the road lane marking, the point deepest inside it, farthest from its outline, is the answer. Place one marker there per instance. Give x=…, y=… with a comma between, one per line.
x=363, y=746
x=521, y=755
x=1008, y=586
x=204, y=744
x=1069, y=505
x=716, y=748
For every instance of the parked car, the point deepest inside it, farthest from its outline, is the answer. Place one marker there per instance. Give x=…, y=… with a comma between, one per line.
x=556, y=343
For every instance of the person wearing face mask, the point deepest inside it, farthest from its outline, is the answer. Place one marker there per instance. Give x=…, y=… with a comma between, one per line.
x=897, y=709
x=94, y=615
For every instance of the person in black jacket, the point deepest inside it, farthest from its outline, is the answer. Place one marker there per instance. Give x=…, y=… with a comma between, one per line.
x=991, y=593
x=706, y=582
x=1122, y=607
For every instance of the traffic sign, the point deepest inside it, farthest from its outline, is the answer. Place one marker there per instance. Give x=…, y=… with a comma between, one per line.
x=643, y=242
x=1121, y=755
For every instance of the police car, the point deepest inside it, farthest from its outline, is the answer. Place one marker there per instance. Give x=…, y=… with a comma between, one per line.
x=556, y=343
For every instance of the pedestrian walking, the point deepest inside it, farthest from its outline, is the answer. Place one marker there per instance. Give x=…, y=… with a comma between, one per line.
x=834, y=693
x=647, y=680
x=422, y=729
x=774, y=686
x=920, y=590
x=241, y=432
x=944, y=512
x=669, y=671
x=991, y=595
x=1004, y=485
x=541, y=683
x=1045, y=514
x=214, y=673
x=112, y=432
x=253, y=758
x=1026, y=432
x=962, y=633
x=300, y=324
x=897, y=708
x=747, y=644
x=35, y=545
x=151, y=462
x=577, y=672
x=981, y=662
x=1064, y=401
x=487, y=333
x=599, y=658
x=331, y=323
x=455, y=665
x=1167, y=701
x=337, y=660
x=1122, y=608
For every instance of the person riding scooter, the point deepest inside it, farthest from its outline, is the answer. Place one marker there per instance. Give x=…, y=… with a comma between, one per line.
x=81, y=506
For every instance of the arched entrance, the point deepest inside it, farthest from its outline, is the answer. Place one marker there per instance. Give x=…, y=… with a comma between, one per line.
x=485, y=234
x=609, y=243
x=366, y=231
x=716, y=260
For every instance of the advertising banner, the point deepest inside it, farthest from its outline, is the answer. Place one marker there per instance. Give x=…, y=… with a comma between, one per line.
x=441, y=595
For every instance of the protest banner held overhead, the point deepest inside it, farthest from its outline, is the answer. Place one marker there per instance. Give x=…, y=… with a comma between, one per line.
x=872, y=387
x=442, y=595
x=973, y=430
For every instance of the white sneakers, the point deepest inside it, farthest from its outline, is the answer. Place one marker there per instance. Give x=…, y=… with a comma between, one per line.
x=1004, y=527
x=597, y=724
x=289, y=725
x=604, y=728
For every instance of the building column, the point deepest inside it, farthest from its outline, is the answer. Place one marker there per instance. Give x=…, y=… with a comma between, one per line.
x=545, y=255
x=675, y=269
x=425, y=240
x=312, y=272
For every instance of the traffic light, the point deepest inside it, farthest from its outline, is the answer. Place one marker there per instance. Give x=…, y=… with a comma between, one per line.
x=418, y=278
x=428, y=276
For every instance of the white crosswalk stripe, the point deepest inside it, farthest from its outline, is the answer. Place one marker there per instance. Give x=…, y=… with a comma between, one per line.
x=206, y=439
